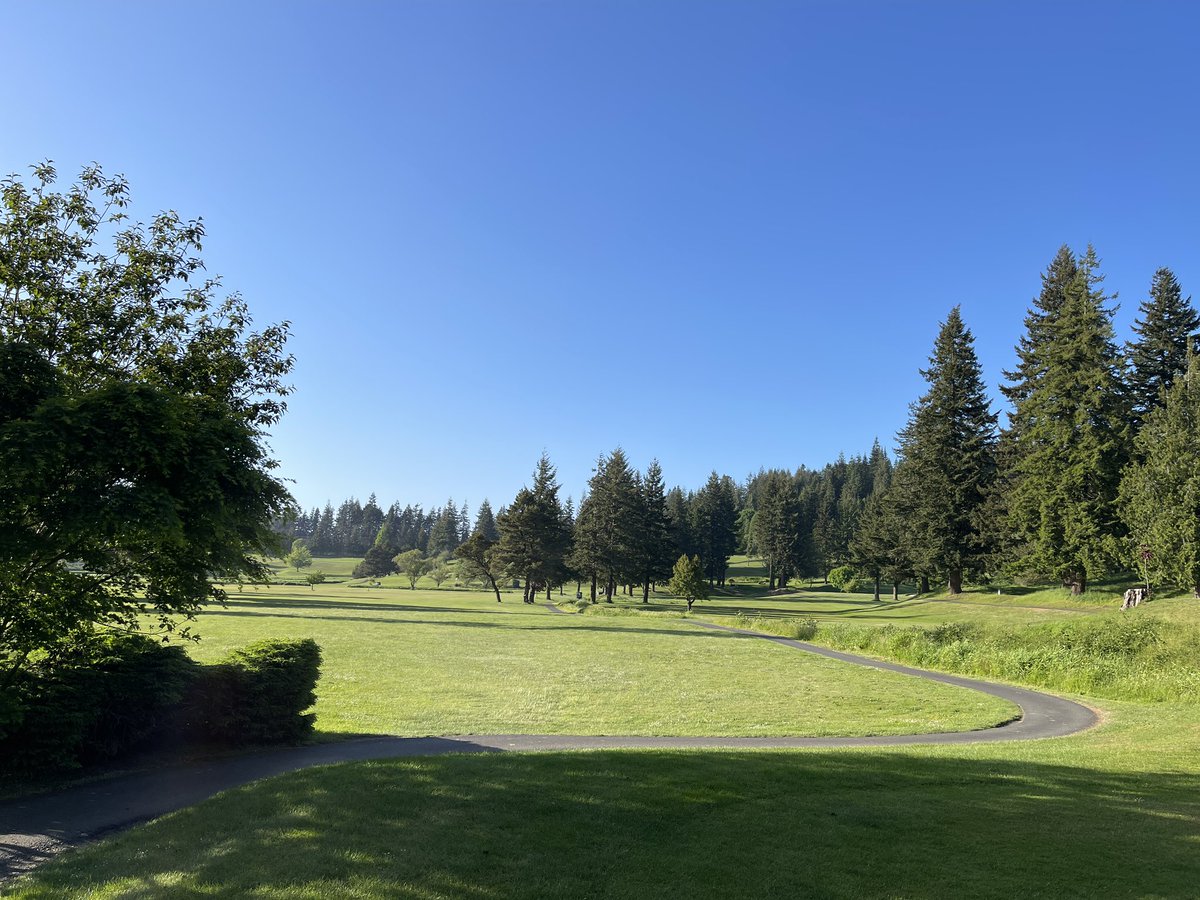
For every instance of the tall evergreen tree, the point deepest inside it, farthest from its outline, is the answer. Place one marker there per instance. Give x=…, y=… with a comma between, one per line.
x=947, y=447
x=1166, y=332
x=485, y=523
x=714, y=525
x=1160, y=494
x=776, y=527
x=654, y=550
x=1057, y=282
x=607, y=524
x=1070, y=440
x=534, y=541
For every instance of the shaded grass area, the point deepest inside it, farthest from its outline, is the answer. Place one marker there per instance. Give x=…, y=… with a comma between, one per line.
x=453, y=662
x=1115, y=812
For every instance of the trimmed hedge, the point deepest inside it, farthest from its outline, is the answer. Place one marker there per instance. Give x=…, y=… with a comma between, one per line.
x=101, y=695
x=256, y=695
x=94, y=698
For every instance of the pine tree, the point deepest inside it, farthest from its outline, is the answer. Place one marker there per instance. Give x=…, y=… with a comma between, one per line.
x=1160, y=494
x=534, y=541
x=1166, y=331
x=654, y=550
x=485, y=523
x=606, y=527
x=714, y=525
x=1057, y=282
x=776, y=527
x=947, y=448
x=1069, y=435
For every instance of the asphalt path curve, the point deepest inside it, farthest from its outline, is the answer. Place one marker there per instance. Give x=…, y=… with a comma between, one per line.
x=35, y=828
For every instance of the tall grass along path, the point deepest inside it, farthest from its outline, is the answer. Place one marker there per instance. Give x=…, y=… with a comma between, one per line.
x=34, y=829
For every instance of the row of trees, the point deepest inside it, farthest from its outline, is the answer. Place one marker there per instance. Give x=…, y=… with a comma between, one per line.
x=1097, y=470
x=353, y=528
x=1074, y=486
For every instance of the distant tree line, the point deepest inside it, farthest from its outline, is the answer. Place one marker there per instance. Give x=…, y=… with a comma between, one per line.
x=1097, y=470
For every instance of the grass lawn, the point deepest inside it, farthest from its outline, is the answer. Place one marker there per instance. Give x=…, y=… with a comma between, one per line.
x=454, y=662
x=1114, y=812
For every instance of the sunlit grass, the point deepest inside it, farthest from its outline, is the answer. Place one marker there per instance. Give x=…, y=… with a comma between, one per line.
x=453, y=662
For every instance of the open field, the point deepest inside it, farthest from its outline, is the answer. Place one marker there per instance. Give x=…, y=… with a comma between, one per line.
x=455, y=662
x=1114, y=811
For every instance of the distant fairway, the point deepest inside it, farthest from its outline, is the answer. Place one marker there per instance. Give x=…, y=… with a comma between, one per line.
x=455, y=662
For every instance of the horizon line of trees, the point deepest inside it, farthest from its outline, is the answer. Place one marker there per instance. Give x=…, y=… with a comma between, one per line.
x=1097, y=470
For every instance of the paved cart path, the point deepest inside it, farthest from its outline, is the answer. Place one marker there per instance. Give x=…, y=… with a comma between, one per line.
x=35, y=828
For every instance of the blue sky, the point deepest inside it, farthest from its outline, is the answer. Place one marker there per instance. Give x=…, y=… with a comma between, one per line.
x=722, y=234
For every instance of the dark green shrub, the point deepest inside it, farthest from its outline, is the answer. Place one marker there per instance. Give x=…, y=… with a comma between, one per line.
x=95, y=697
x=257, y=695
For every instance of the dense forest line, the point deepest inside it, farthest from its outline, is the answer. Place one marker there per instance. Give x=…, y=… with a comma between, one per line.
x=1096, y=470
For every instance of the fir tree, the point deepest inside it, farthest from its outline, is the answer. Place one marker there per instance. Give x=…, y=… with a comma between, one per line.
x=606, y=527
x=534, y=541
x=1070, y=441
x=947, y=447
x=485, y=523
x=1160, y=494
x=654, y=549
x=1057, y=282
x=776, y=527
x=1166, y=331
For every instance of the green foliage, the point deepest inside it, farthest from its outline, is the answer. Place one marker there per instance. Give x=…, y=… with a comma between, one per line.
x=713, y=525
x=413, y=565
x=535, y=538
x=439, y=572
x=475, y=558
x=314, y=578
x=845, y=578
x=606, y=530
x=947, y=461
x=1070, y=440
x=96, y=697
x=1166, y=333
x=1125, y=656
x=132, y=456
x=120, y=501
x=300, y=557
x=800, y=629
x=257, y=695
x=1160, y=493
x=378, y=562
x=688, y=581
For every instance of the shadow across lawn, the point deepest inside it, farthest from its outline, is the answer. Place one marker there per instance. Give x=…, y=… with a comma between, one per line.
x=628, y=824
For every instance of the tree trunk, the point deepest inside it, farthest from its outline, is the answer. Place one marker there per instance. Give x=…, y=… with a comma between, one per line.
x=1196, y=591
x=876, y=587
x=496, y=588
x=956, y=582
x=1078, y=584
x=690, y=601
x=895, y=591
x=924, y=584
x=548, y=593
x=646, y=591
x=593, y=587
x=770, y=577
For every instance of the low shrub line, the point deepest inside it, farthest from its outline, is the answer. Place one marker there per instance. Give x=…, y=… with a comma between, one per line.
x=102, y=695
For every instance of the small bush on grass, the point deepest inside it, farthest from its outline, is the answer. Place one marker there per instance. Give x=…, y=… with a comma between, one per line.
x=257, y=695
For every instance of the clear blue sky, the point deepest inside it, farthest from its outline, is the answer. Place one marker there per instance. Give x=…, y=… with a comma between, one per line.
x=722, y=234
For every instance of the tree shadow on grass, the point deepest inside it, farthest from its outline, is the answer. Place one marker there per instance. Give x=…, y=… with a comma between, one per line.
x=711, y=824
x=543, y=626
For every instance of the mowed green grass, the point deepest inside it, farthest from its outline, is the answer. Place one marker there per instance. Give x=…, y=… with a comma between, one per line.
x=436, y=662
x=1114, y=812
